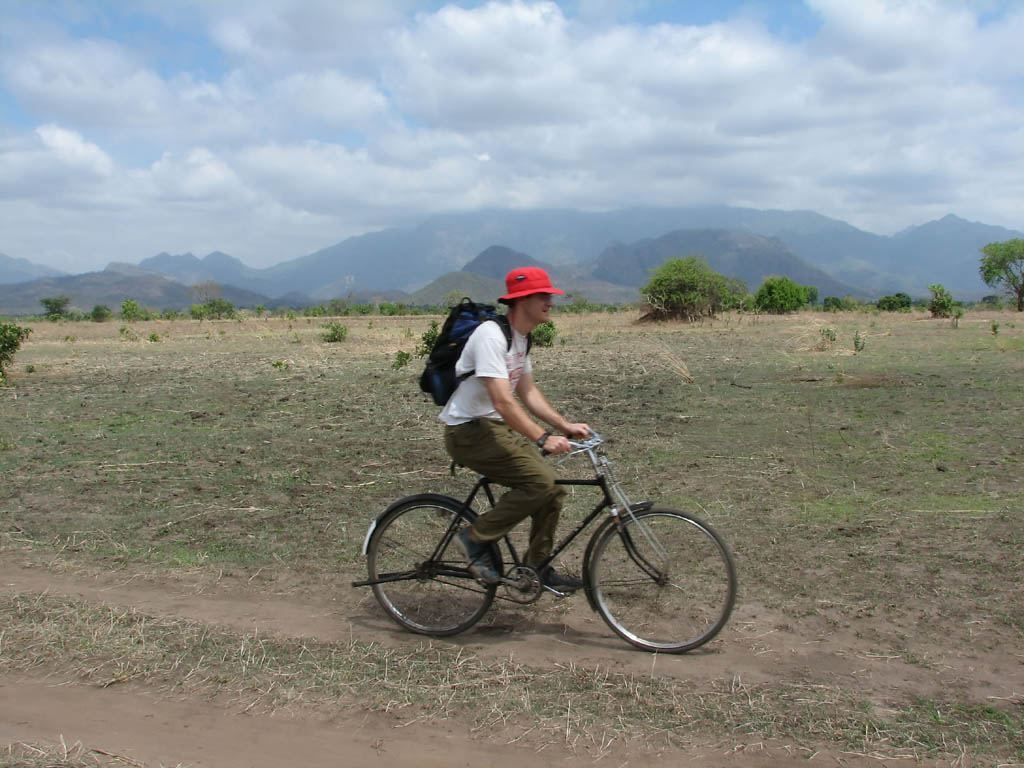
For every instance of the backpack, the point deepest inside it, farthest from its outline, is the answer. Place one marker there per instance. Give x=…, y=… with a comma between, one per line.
x=438, y=378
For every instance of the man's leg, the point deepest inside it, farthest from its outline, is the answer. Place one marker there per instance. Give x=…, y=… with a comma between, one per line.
x=506, y=457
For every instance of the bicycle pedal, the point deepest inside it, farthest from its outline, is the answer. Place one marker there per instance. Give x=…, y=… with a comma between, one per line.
x=558, y=592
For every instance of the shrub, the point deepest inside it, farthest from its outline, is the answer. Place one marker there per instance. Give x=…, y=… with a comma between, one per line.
x=101, y=313
x=218, y=309
x=428, y=340
x=898, y=302
x=544, y=334
x=942, y=304
x=833, y=304
x=334, y=332
x=402, y=359
x=778, y=295
x=131, y=311
x=688, y=289
x=11, y=337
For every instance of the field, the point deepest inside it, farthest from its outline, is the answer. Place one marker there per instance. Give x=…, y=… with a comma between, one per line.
x=182, y=508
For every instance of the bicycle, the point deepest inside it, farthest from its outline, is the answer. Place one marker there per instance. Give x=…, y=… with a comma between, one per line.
x=662, y=579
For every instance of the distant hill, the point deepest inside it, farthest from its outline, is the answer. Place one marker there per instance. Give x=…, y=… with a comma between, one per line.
x=111, y=287
x=217, y=266
x=601, y=255
x=750, y=258
x=869, y=264
x=946, y=251
x=497, y=261
x=475, y=286
x=22, y=270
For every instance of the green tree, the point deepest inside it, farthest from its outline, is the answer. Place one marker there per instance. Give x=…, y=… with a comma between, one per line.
x=942, y=304
x=1002, y=266
x=688, y=289
x=55, y=307
x=219, y=308
x=895, y=303
x=131, y=311
x=11, y=337
x=101, y=313
x=778, y=295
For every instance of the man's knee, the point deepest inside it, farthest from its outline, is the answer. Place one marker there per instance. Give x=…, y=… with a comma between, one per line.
x=542, y=491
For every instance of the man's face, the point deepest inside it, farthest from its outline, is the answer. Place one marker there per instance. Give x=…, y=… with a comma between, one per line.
x=536, y=307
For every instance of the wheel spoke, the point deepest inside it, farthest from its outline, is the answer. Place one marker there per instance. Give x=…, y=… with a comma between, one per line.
x=670, y=615
x=434, y=595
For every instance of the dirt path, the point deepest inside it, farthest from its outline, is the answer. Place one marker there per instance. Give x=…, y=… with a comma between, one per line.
x=155, y=730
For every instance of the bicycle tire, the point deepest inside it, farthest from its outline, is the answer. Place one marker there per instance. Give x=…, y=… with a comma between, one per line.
x=423, y=593
x=684, y=608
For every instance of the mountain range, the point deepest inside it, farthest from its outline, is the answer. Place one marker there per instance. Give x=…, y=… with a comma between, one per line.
x=600, y=256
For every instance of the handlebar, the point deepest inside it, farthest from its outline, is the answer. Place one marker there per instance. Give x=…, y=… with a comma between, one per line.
x=589, y=444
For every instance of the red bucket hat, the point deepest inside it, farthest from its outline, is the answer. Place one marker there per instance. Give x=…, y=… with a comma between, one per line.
x=527, y=280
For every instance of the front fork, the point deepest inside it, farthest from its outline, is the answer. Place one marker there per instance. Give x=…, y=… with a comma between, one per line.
x=619, y=520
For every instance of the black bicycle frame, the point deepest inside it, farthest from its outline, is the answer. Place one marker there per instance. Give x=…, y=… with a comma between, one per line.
x=605, y=502
x=485, y=484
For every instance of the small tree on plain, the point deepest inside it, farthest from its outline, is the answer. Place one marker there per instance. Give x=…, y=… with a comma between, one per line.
x=101, y=313
x=778, y=295
x=688, y=289
x=1002, y=266
x=942, y=304
x=55, y=307
x=205, y=290
x=132, y=311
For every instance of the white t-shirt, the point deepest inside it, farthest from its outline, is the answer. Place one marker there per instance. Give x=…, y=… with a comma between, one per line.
x=488, y=354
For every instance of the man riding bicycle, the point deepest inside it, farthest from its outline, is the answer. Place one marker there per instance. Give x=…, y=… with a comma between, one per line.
x=490, y=431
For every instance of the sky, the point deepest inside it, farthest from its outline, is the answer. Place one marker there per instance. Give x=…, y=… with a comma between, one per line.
x=269, y=129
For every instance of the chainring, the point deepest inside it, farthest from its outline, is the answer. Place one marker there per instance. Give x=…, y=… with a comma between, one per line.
x=527, y=586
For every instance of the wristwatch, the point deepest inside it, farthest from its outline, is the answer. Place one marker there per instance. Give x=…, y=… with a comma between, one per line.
x=543, y=439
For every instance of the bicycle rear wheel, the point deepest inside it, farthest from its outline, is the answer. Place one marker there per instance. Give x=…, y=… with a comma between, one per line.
x=666, y=582
x=422, y=578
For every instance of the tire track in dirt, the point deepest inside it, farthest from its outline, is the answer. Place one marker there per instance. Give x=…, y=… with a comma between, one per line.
x=163, y=730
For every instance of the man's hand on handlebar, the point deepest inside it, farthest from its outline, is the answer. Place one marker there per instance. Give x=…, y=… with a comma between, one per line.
x=560, y=444
x=577, y=430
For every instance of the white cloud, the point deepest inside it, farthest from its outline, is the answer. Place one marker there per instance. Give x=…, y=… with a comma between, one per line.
x=316, y=120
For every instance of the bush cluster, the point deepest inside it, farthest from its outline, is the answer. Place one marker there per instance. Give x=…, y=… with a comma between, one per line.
x=898, y=302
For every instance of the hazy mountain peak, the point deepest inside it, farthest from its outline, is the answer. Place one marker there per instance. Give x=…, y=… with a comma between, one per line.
x=496, y=261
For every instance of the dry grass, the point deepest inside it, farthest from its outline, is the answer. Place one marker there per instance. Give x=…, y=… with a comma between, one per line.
x=21, y=755
x=585, y=708
x=876, y=493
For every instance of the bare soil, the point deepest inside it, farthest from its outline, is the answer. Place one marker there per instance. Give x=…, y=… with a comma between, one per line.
x=144, y=726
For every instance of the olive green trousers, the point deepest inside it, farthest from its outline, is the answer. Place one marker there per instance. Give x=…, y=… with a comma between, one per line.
x=494, y=449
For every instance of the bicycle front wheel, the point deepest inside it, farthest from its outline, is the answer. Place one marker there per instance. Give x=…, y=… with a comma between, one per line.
x=665, y=581
x=421, y=577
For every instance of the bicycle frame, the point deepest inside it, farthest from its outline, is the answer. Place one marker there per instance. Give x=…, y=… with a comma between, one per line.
x=613, y=498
